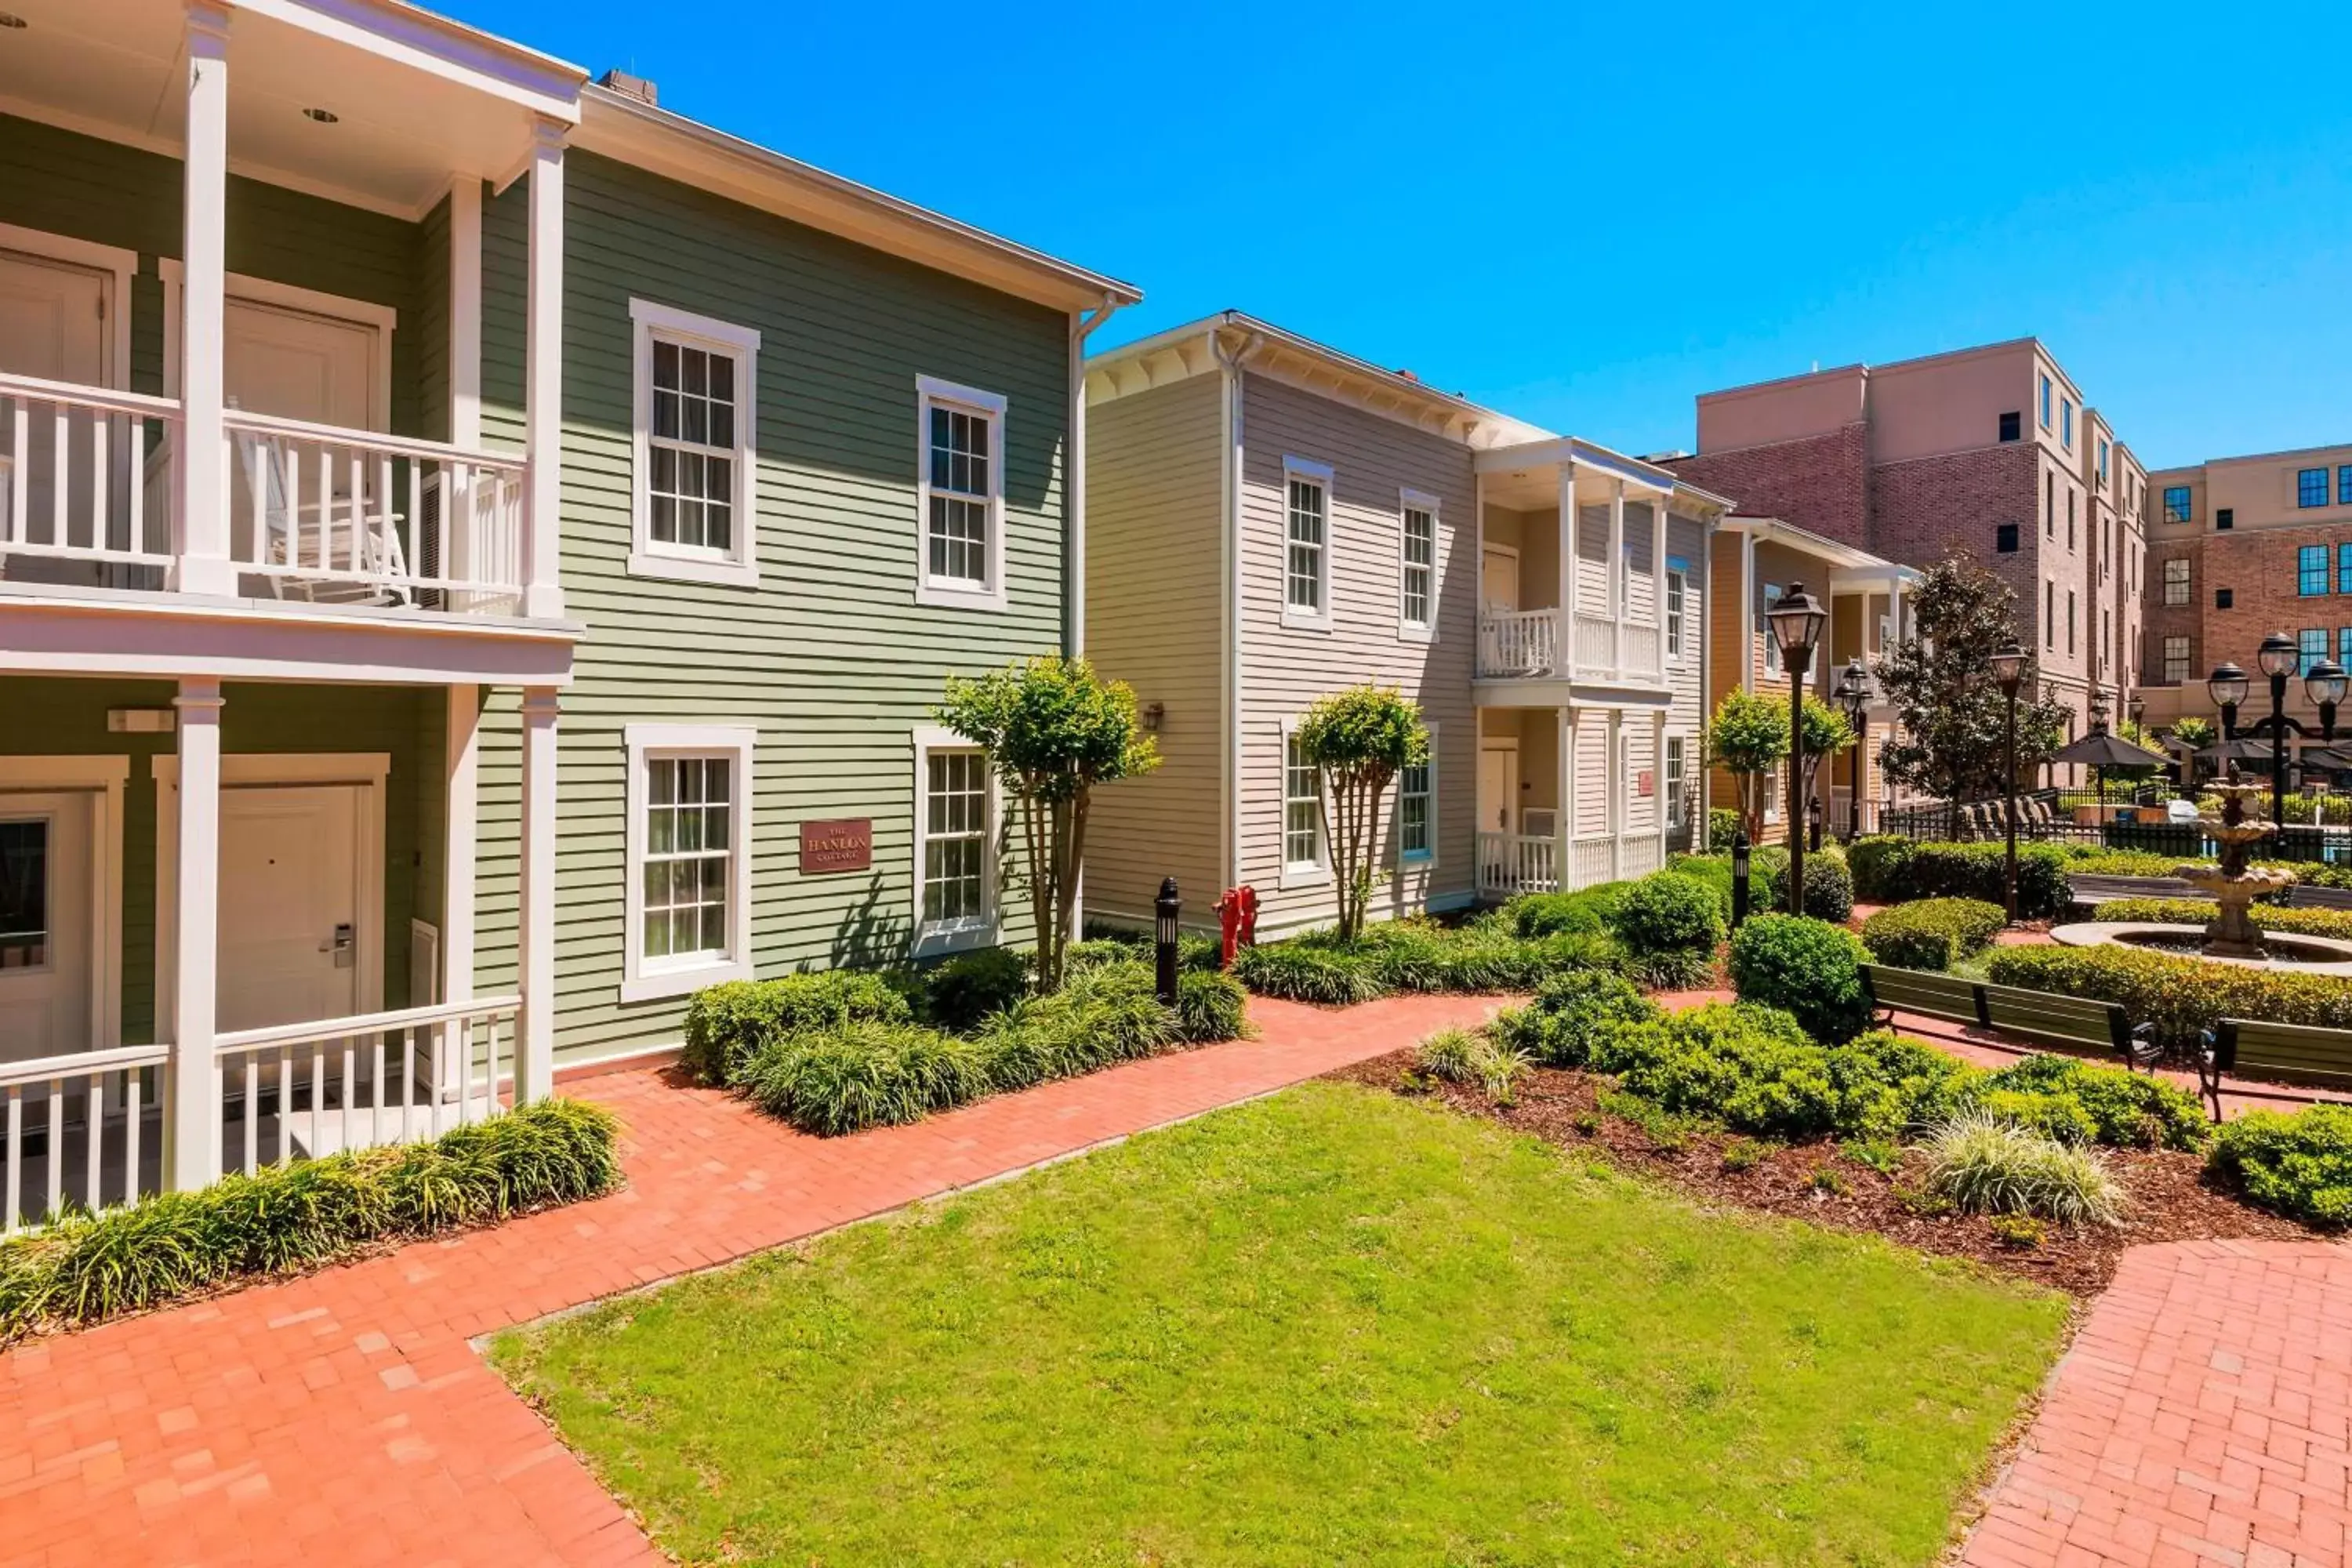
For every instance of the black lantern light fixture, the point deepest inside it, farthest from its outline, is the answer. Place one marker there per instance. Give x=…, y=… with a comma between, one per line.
x=1855, y=692
x=2008, y=664
x=1797, y=622
x=1739, y=858
x=1164, y=931
x=2279, y=658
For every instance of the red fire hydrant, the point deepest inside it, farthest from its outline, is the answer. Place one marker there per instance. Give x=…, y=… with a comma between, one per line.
x=1237, y=918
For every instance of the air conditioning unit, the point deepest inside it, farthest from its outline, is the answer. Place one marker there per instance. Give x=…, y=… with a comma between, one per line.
x=1539, y=822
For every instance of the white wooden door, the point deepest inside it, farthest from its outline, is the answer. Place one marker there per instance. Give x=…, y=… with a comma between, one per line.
x=52, y=325
x=291, y=924
x=1498, y=578
x=301, y=366
x=45, y=925
x=1498, y=788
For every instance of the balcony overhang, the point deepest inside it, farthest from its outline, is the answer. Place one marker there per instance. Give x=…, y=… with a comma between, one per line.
x=1545, y=691
x=414, y=98
x=101, y=632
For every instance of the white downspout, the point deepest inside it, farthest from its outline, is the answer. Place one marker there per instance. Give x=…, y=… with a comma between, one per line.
x=1073, y=501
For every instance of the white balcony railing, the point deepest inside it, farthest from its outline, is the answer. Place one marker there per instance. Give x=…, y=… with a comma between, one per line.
x=1596, y=644
x=356, y=1083
x=314, y=514
x=84, y=482
x=1614, y=650
x=1518, y=642
x=336, y=516
x=1513, y=863
x=73, y=1134
x=1639, y=644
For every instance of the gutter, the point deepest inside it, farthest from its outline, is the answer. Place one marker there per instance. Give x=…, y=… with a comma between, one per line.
x=1074, y=492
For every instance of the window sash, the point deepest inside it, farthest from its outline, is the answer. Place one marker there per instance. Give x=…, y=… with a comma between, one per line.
x=1771, y=643
x=1674, y=781
x=1306, y=535
x=1674, y=590
x=693, y=444
x=2175, y=503
x=25, y=893
x=2311, y=487
x=2175, y=582
x=954, y=833
x=2311, y=647
x=1416, y=840
x=2176, y=661
x=1419, y=548
x=688, y=863
x=961, y=458
x=1302, y=810
x=2311, y=570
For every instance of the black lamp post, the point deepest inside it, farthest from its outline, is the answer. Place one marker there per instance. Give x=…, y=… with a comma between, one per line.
x=2009, y=670
x=2324, y=683
x=1797, y=621
x=1166, y=907
x=1854, y=691
x=2227, y=687
x=2099, y=769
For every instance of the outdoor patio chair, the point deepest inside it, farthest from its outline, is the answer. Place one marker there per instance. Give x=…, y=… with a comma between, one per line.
x=362, y=541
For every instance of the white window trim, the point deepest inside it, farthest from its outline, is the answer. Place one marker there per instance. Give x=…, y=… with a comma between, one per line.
x=1321, y=474
x=1670, y=788
x=1676, y=646
x=1428, y=861
x=640, y=983
x=1300, y=874
x=950, y=592
x=1407, y=501
x=684, y=563
x=1773, y=593
x=957, y=936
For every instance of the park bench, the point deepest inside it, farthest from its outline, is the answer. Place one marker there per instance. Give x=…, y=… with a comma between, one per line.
x=2304, y=897
x=2039, y=1015
x=2285, y=1053
x=2093, y=891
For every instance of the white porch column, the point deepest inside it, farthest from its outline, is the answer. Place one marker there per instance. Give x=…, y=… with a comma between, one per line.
x=1563, y=821
x=1658, y=573
x=192, y=1154
x=1565, y=632
x=1612, y=775
x=535, y=1047
x=461, y=777
x=200, y=475
x=1747, y=621
x=543, y=376
x=465, y=311
x=1616, y=578
x=1658, y=783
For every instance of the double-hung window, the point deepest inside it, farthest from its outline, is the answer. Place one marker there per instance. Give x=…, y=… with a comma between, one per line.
x=2311, y=570
x=1306, y=543
x=955, y=892
x=2102, y=462
x=2176, y=581
x=2049, y=614
x=1771, y=643
x=1677, y=587
x=689, y=907
x=2310, y=647
x=1304, y=858
x=2343, y=647
x=2175, y=503
x=1674, y=782
x=2176, y=661
x=692, y=490
x=1417, y=566
x=2066, y=423
x=2046, y=403
x=2344, y=484
x=961, y=488
x=1416, y=809
x=2311, y=487
x=2343, y=567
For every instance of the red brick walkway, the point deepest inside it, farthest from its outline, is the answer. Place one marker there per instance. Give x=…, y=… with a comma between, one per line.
x=2204, y=1415
x=343, y=1418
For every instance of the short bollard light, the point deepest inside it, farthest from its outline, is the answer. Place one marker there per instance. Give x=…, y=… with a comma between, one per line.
x=1738, y=878
x=1166, y=907
x=1814, y=814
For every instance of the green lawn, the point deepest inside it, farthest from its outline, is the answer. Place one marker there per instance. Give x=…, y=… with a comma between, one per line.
x=1330, y=1327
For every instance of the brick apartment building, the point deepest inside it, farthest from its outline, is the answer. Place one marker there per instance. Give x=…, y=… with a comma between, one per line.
x=2239, y=548
x=1991, y=450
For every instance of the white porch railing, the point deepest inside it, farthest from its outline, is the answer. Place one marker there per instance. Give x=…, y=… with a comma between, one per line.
x=337, y=516
x=1640, y=856
x=73, y=1133
x=1640, y=645
x=1592, y=860
x=84, y=478
x=1513, y=863
x=1609, y=649
x=356, y=1083
x=1596, y=644
x=1518, y=642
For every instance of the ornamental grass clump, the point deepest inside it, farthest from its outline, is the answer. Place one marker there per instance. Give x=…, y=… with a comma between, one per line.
x=1984, y=1163
x=864, y=1074
x=1304, y=971
x=1474, y=1056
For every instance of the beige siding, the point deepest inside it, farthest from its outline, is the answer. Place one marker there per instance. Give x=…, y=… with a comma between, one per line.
x=1687, y=671
x=1284, y=669
x=1155, y=610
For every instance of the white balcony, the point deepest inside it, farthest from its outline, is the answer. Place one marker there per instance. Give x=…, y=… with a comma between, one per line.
x=1524, y=645
x=314, y=514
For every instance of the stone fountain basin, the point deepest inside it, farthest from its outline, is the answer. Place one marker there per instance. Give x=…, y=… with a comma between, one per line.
x=2298, y=954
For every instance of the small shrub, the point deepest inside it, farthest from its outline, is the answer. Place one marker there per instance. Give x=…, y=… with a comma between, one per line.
x=1667, y=1131
x=1986, y=1164
x=1890, y=871
x=1931, y=933
x=1569, y=1012
x=2298, y=1164
x=958, y=992
x=2128, y=1110
x=2022, y=1231
x=1808, y=967
x=727, y=1025
x=1879, y=864
x=1210, y=1006
x=1668, y=912
x=1827, y=1179
x=1587, y=910
x=1828, y=889
x=1472, y=1057
x=1302, y=970
x=1723, y=825
x=1744, y=1155
x=864, y=1074
x=1878, y=1153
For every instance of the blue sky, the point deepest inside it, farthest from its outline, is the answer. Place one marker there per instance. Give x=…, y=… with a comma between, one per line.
x=1586, y=216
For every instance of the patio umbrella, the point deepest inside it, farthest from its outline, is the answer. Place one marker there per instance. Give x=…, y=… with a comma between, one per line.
x=2101, y=749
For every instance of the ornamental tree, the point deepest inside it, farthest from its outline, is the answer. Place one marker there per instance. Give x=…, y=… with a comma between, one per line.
x=1747, y=738
x=2189, y=736
x=1948, y=710
x=1357, y=741
x=1053, y=730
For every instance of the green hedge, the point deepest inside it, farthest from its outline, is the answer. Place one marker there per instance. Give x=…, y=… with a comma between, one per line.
x=1587, y=910
x=2181, y=996
x=958, y=992
x=2299, y=1165
x=876, y=1072
x=1931, y=933
x=1419, y=955
x=2337, y=923
x=1890, y=870
x=87, y=1267
x=727, y=1025
x=1806, y=967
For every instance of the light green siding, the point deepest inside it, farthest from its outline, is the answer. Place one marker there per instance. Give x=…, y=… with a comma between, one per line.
x=68, y=717
x=830, y=655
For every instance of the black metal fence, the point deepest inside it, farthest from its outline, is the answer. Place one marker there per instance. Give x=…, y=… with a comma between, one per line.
x=2042, y=820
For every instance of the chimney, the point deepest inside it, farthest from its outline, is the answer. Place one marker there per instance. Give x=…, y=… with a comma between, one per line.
x=1406, y=373
x=642, y=88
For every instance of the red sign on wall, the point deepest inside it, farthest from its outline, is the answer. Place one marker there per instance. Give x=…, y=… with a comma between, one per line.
x=837, y=844
x=1645, y=783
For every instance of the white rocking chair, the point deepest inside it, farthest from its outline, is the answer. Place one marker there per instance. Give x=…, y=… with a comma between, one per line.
x=358, y=537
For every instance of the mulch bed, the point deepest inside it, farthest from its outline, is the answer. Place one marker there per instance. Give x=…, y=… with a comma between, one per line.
x=2169, y=1198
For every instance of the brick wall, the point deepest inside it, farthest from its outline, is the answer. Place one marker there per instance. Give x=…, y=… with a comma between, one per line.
x=2175, y=620
x=1818, y=482
x=1926, y=508
x=2259, y=566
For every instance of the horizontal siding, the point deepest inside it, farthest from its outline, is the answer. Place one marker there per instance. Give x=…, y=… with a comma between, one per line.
x=829, y=656
x=1285, y=669
x=1155, y=610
